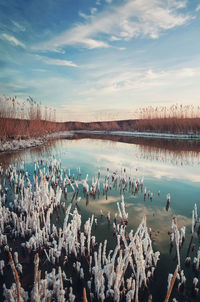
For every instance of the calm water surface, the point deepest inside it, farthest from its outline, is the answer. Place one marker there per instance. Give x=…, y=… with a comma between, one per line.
x=163, y=169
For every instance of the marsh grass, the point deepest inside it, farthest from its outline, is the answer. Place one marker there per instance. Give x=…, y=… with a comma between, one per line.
x=26, y=119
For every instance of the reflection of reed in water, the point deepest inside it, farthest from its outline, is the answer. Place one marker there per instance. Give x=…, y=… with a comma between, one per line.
x=178, y=152
x=23, y=155
x=175, y=157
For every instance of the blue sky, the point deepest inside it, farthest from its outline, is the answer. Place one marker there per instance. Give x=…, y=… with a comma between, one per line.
x=100, y=59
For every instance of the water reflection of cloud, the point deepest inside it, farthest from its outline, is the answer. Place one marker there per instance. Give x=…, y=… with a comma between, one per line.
x=162, y=215
x=116, y=155
x=93, y=154
x=147, y=168
x=104, y=201
x=159, y=220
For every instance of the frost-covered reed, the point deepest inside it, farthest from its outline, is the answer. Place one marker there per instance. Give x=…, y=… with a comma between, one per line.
x=117, y=274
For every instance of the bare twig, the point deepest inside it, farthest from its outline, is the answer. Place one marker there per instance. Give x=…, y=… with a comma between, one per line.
x=16, y=276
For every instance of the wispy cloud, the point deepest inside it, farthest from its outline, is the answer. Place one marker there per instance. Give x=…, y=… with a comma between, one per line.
x=93, y=10
x=114, y=38
x=197, y=8
x=12, y=40
x=139, y=80
x=131, y=88
x=87, y=111
x=39, y=70
x=58, y=62
x=18, y=26
x=123, y=22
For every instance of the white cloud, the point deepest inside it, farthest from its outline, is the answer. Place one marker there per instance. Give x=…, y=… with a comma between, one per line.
x=84, y=16
x=58, y=62
x=178, y=4
x=39, y=70
x=90, y=43
x=114, y=38
x=132, y=19
x=12, y=40
x=122, y=84
x=93, y=10
x=197, y=8
x=18, y=26
x=79, y=35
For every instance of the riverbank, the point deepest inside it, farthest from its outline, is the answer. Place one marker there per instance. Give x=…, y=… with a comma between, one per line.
x=17, y=134
x=143, y=134
x=11, y=128
x=20, y=144
x=157, y=139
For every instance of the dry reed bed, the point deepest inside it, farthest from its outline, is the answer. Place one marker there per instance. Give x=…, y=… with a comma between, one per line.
x=18, y=128
x=169, y=125
x=27, y=119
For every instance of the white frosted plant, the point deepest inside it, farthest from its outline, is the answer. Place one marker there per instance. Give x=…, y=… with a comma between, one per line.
x=195, y=213
x=108, y=269
x=168, y=197
x=182, y=234
x=182, y=279
x=195, y=281
x=11, y=294
x=177, y=238
x=121, y=210
x=196, y=260
x=2, y=265
x=193, y=222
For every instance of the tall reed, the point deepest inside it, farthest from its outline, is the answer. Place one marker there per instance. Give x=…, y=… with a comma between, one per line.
x=26, y=118
x=173, y=119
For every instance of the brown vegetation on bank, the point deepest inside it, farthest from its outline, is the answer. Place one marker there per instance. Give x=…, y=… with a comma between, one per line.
x=173, y=119
x=26, y=118
x=163, y=125
x=17, y=128
x=29, y=119
x=169, y=125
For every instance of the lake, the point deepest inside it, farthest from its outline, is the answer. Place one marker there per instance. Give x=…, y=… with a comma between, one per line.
x=163, y=167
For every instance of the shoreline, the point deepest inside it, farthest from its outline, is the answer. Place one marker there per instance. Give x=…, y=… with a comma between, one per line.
x=21, y=144
x=159, y=135
x=15, y=145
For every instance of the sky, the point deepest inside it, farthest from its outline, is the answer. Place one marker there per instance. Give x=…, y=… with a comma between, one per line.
x=100, y=59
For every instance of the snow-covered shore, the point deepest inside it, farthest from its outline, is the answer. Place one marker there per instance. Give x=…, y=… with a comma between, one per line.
x=14, y=145
x=143, y=134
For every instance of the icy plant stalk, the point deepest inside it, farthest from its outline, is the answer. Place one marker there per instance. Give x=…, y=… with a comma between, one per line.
x=193, y=222
x=121, y=210
x=35, y=292
x=195, y=213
